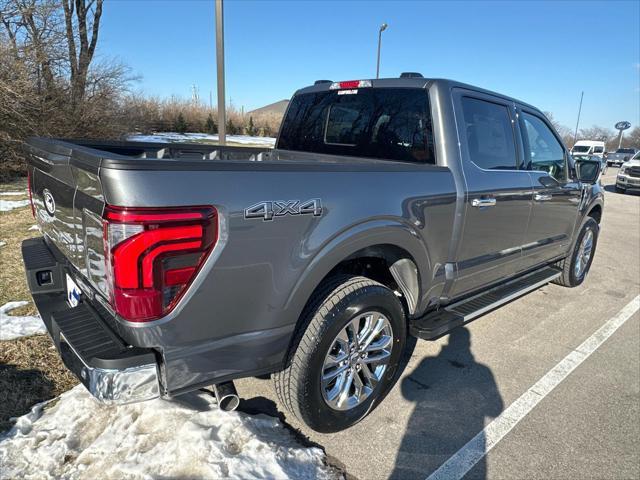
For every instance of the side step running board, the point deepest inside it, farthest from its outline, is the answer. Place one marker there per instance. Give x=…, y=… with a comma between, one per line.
x=436, y=324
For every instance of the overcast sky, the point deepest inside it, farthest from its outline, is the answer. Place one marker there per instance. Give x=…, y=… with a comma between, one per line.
x=544, y=52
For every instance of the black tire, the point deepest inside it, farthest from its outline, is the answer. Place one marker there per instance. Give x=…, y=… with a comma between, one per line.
x=569, y=277
x=332, y=306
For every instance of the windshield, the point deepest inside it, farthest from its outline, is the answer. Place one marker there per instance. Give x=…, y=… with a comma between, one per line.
x=581, y=149
x=389, y=123
x=626, y=150
x=636, y=156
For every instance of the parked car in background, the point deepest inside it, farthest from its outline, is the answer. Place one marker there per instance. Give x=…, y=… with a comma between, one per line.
x=588, y=147
x=620, y=156
x=629, y=175
x=593, y=158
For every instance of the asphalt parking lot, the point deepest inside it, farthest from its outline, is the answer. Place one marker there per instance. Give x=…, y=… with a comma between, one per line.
x=588, y=426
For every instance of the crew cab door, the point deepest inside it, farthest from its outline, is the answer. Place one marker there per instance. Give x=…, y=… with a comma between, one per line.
x=499, y=195
x=556, y=194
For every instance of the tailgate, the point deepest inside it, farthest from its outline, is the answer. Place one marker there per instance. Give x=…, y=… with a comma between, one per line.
x=68, y=202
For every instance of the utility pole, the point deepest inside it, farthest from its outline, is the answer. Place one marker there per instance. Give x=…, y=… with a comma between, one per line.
x=575, y=135
x=383, y=27
x=222, y=114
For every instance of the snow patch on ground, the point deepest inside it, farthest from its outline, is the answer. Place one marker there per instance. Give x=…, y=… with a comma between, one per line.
x=18, y=326
x=7, y=205
x=168, y=137
x=2, y=244
x=185, y=438
x=34, y=227
x=13, y=194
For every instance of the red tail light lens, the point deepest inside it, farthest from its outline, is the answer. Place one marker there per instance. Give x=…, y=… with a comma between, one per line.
x=153, y=255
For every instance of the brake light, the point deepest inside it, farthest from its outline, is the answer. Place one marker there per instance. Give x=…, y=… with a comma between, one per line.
x=153, y=255
x=350, y=84
x=33, y=209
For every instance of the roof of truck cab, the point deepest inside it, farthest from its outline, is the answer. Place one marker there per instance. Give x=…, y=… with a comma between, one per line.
x=413, y=82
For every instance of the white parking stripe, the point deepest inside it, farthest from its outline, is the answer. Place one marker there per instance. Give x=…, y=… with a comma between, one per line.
x=470, y=454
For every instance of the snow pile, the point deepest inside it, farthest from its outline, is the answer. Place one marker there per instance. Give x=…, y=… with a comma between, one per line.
x=168, y=137
x=17, y=326
x=2, y=244
x=6, y=205
x=185, y=438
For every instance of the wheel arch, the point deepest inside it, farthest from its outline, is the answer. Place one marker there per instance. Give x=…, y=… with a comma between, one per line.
x=381, y=242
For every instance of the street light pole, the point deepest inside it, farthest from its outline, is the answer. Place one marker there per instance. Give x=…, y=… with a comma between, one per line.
x=575, y=135
x=222, y=116
x=383, y=27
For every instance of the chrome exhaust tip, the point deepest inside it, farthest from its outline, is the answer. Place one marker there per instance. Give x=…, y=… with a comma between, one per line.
x=227, y=396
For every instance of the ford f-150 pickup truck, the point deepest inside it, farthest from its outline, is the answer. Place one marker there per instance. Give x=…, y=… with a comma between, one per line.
x=388, y=208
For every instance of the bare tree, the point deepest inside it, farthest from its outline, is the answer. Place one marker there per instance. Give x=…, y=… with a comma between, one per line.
x=596, y=133
x=87, y=18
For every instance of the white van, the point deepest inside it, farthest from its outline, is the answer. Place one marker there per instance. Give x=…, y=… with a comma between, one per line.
x=588, y=147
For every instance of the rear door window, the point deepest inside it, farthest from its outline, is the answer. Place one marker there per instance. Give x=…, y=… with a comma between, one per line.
x=490, y=137
x=384, y=123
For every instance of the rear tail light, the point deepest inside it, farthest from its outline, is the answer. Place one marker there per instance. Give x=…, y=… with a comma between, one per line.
x=33, y=209
x=153, y=255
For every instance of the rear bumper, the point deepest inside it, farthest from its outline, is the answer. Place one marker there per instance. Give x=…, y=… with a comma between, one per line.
x=112, y=371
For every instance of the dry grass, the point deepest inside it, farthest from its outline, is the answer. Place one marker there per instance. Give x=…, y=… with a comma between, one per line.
x=14, y=228
x=30, y=372
x=30, y=368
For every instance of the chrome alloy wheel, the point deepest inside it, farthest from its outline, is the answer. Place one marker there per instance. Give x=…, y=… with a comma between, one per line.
x=584, y=254
x=357, y=359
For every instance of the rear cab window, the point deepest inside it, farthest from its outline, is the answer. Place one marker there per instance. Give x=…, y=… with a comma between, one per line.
x=382, y=123
x=489, y=133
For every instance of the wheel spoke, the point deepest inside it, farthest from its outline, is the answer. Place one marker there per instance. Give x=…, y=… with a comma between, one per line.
x=369, y=376
x=366, y=328
x=379, y=326
x=377, y=356
x=333, y=373
x=333, y=393
x=345, y=388
x=335, y=360
x=383, y=342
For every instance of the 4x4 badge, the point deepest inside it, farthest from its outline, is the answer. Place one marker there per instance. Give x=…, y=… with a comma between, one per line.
x=269, y=210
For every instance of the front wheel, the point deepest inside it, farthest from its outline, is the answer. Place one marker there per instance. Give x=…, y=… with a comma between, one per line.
x=346, y=356
x=576, y=266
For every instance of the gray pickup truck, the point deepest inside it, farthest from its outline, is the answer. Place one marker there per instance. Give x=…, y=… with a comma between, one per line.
x=389, y=208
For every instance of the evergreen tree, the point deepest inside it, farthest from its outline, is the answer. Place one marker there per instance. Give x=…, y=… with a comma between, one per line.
x=180, y=125
x=251, y=129
x=210, y=126
x=231, y=128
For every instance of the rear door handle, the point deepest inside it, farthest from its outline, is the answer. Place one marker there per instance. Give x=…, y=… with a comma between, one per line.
x=542, y=197
x=483, y=202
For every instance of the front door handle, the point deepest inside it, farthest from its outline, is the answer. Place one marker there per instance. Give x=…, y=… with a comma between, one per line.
x=542, y=197
x=483, y=202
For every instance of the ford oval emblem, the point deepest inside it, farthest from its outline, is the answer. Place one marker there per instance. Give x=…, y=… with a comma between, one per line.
x=49, y=202
x=622, y=125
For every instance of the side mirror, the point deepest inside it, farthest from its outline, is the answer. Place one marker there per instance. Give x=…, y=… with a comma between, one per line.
x=588, y=171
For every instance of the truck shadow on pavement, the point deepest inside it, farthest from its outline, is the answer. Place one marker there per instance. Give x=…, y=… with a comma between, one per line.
x=454, y=397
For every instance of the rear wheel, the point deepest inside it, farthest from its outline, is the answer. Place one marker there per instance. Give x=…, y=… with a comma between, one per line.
x=345, y=358
x=576, y=266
